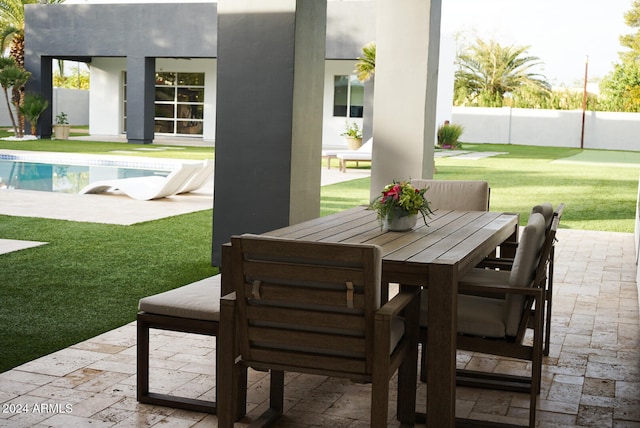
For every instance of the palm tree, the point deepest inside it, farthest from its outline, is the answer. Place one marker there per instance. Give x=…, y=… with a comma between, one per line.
x=12, y=76
x=12, y=26
x=12, y=36
x=33, y=107
x=488, y=71
x=366, y=65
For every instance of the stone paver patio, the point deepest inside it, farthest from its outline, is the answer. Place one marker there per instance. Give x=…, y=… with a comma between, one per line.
x=591, y=378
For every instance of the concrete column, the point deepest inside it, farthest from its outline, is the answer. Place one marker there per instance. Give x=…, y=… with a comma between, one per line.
x=269, y=115
x=408, y=40
x=140, y=99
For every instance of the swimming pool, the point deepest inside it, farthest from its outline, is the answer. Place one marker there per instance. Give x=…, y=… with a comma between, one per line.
x=70, y=172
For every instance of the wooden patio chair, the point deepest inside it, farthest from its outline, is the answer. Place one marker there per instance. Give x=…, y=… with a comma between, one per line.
x=497, y=326
x=314, y=307
x=193, y=308
x=505, y=264
x=462, y=195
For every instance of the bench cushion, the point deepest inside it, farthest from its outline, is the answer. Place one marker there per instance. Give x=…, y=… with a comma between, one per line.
x=199, y=300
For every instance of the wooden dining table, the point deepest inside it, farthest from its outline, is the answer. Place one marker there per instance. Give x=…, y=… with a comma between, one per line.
x=432, y=256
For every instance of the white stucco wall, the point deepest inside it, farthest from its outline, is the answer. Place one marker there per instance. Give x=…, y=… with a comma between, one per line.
x=105, y=99
x=332, y=126
x=73, y=102
x=556, y=128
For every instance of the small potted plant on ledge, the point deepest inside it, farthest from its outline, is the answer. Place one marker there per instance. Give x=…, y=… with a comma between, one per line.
x=399, y=204
x=353, y=134
x=62, y=127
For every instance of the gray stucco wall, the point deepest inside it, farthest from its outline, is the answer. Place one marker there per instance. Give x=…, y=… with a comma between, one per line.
x=151, y=30
x=167, y=30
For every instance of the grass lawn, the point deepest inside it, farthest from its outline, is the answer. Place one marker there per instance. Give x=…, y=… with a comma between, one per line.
x=89, y=278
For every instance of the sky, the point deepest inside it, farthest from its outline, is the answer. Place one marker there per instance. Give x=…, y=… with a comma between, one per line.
x=561, y=33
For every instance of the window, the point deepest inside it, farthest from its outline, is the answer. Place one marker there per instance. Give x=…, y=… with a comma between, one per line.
x=348, y=96
x=179, y=103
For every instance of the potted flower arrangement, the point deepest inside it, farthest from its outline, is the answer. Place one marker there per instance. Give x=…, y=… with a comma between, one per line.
x=62, y=127
x=399, y=204
x=353, y=134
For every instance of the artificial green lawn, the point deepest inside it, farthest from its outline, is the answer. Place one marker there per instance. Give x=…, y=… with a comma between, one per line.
x=89, y=277
x=599, y=195
x=107, y=148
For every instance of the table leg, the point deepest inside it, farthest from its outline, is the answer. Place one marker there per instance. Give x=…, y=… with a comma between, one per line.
x=441, y=345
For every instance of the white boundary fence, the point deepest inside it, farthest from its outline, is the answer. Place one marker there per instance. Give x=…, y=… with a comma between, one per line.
x=559, y=128
x=74, y=102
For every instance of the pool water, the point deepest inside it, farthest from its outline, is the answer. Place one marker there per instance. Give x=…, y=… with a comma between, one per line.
x=71, y=173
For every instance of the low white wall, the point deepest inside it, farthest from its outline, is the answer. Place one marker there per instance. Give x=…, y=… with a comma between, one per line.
x=74, y=102
x=557, y=128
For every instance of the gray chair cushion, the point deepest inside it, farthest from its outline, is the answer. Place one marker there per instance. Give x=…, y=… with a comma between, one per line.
x=455, y=194
x=477, y=316
x=200, y=300
x=481, y=316
x=528, y=252
x=524, y=268
x=546, y=209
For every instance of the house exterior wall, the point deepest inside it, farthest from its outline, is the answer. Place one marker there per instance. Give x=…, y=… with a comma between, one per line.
x=79, y=31
x=107, y=92
x=137, y=32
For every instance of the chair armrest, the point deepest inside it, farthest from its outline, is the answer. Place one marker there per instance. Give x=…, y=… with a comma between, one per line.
x=399, y=302
x=501, y=290
x=496, y=263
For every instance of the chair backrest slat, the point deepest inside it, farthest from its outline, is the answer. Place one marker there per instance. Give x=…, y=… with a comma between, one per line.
x=306, y=296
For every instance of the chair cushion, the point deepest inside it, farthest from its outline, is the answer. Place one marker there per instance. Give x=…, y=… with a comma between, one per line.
x=477, y=316
x=199, y=300
x=524, y=268
x=455, y=194
x=481, y=316
x=546, y=209
x=528, y=252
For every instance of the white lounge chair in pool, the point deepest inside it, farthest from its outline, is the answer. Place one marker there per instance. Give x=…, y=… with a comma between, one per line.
x=147, y=188
x=200, y=178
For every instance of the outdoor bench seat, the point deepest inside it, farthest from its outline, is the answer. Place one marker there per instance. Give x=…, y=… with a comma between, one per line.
x=193, y=308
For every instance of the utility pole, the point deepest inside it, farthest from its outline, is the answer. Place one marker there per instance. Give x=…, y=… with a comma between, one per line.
x=584, y=100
